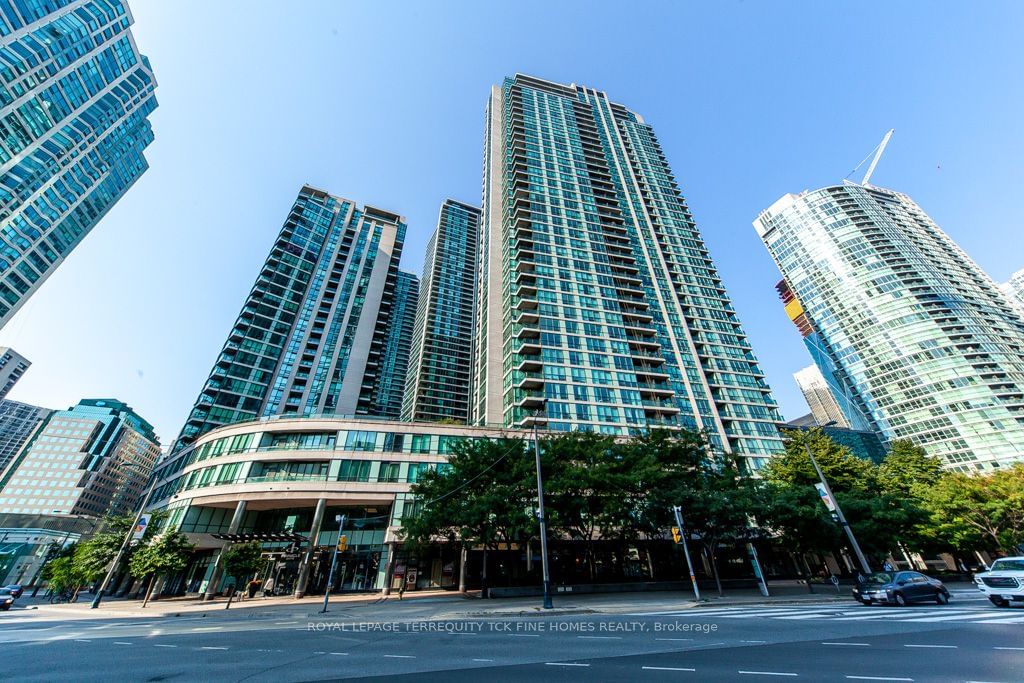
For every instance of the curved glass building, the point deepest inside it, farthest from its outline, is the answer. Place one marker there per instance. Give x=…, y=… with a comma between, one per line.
x=922, y=341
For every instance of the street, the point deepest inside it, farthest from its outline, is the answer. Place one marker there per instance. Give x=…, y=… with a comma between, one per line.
x=814, y=639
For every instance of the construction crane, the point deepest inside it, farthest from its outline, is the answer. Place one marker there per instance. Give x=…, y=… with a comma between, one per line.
x=877, y=151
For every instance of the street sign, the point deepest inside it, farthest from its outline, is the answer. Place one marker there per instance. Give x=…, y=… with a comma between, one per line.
x=825, y=498
x=140, y=527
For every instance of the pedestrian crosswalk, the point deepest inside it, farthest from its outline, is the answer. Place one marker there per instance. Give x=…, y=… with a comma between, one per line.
x=926, y=614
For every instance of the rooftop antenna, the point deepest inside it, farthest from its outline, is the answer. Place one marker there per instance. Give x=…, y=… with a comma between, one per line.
x=877, y=151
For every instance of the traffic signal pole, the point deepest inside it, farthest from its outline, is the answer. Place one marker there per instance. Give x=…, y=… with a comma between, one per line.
x=334, y=561
x=678, y=512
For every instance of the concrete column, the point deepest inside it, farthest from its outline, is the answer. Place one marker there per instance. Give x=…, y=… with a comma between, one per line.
x=236, y=521
x=390, y=571
x=314, y=534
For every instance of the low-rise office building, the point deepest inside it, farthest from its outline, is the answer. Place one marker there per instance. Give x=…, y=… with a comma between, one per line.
x=284, y=480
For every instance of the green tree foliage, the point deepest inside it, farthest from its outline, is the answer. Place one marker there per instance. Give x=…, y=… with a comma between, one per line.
x=977, y=512
x=242, y=560
x=166, y=554
x=908, y=469
x=484, y=495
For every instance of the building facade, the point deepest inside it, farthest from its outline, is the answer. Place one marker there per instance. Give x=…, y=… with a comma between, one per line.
x=863, y=444
x=819, y=397
x=917, y=333
x=287, y=478
x=75, y=96
x=390, y=390
x=310, y=335
x=437, y=387
x=92, y=459
x=1014, y=288
x=12, y=366
x=18, y=422
x=599, y=306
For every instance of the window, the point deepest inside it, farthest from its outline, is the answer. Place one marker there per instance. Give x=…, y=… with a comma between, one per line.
x=354, y=470
x=388, y=472
x=361, y=441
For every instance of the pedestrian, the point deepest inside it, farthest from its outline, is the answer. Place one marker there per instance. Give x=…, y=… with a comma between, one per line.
x=268, y=587
x=401, y=588
x=253, y=586
x=887, y=566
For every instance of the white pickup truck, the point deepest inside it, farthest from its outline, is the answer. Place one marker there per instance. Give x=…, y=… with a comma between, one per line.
x=1003, y=582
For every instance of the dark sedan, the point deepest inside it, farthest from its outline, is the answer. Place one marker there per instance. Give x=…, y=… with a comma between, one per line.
x=6, y=599
x=900, y=588
x=16, y=590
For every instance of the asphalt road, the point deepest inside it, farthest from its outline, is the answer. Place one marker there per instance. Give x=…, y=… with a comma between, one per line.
x=964, y=641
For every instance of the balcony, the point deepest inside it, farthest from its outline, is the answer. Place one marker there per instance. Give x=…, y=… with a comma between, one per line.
x=529, y=365
x=529, y=399
x=529, y=380
x=660, y=408
x=649, y=375
x=658, y=390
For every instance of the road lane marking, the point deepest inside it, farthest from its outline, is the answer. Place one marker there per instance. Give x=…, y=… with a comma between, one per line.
x=211, y=647
x=674, y=639
x=120, y=642
x=666, y=668
x=1004, y=620
x=767, y=673
x=207, y=628
x=284, y=623
x=159, y=645
x=80, y=640
x=483, y=660
x=563, y=664
x=947, y=647
x=1007, y=648
x=343, y=654
x=878, y=678
x=401, y=656
x=850, y=644
x=600, y=637
x=524, y=635
x=814, y=615
x=753, y=641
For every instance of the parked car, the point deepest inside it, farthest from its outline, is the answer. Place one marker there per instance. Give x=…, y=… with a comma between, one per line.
x=1003, y=583
x=16, y=590
x=899, y=588
x=6, y=599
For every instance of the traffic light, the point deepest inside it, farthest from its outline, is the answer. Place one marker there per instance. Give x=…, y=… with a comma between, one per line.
x=342, y=544
x=676, y=536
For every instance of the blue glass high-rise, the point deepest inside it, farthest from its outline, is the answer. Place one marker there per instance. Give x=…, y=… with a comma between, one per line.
x=75, y=95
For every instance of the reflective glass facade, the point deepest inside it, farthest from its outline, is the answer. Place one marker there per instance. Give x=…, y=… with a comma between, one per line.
x=18, y=421
x=394, y=361
x=1014, y=288
x=599, y=305
x=75, y=463
x=916, y=332
x=75, y=95
x=12, y=366
x=310, y=335
x=438, y=382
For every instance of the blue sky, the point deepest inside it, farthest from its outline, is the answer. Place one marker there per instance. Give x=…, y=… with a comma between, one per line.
x=383, y=103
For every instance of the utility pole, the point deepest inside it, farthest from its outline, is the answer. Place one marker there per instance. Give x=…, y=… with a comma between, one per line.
x=340, y=519
x=838, y=512
x=542, y=520
x=678, y=512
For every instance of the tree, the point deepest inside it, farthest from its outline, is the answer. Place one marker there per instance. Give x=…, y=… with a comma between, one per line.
x=168, y=553
x=63, y=575
x=242, y=560
x=482, y=495
x=978, y=512
x=907, y=468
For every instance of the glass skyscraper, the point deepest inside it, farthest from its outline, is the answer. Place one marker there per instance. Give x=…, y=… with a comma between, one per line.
x=599, y=307
x=75, y=95
x=918, y=335
x=18, y=422
x=437, y=387
x=390, y=389
x=92, y=459
x=822, y=403
x=310, y=335
x=1014, y=288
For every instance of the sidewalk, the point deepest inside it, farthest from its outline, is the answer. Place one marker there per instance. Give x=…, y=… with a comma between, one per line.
x=437, y=605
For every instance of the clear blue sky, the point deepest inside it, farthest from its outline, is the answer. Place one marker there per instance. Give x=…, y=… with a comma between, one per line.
x=383, y=103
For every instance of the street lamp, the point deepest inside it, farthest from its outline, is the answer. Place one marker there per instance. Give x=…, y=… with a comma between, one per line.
x=340, y=519
x=541, y=518
x=839, y=511
x=127, y=541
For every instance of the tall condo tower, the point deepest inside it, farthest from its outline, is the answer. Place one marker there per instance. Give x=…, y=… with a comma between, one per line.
x=1014, y=288
x=75, y=95
x=390, y=389
x=919, y=335
x=311, y=333
x=599, y=305
x=823, y=405
x=437, y=387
